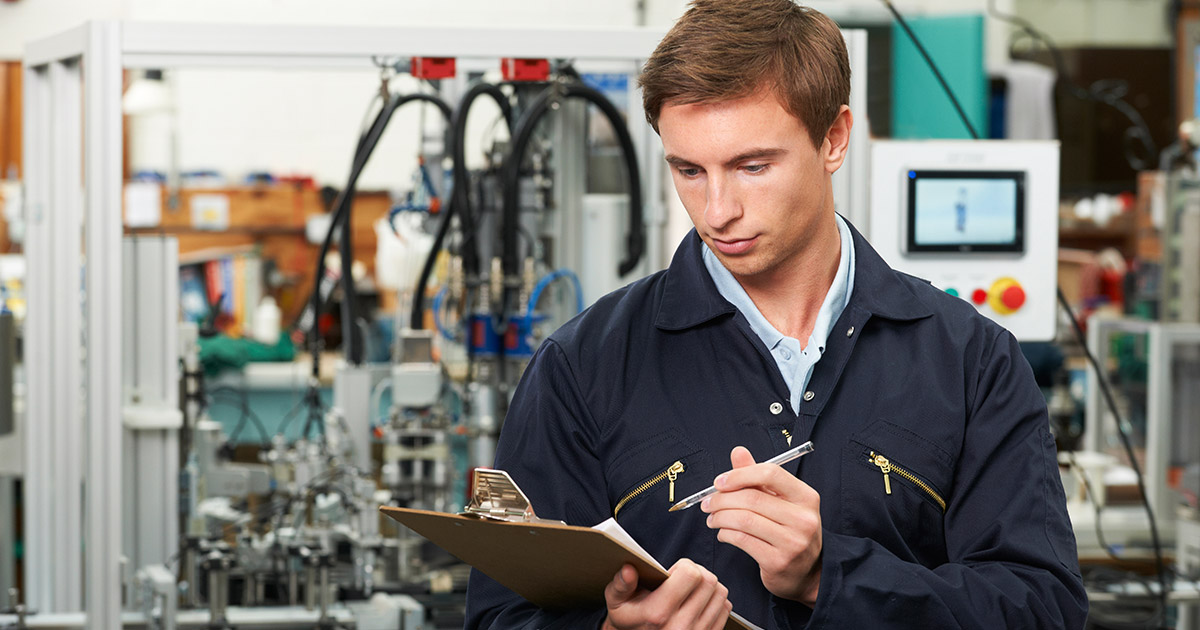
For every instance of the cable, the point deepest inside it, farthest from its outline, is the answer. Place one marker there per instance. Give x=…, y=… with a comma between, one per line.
x=341, y=219
x=546, y=281
x=246, y=414
x=932, y=66
x=351, y=333
x=1160, y=566
x=1087, y=486
x=1109, y=92
x=635, y=238
x=459, y=195
x=437, y=317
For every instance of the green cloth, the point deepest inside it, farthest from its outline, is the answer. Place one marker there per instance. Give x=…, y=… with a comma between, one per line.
x=221, y=352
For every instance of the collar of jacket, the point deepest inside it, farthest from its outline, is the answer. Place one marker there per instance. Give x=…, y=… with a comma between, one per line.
x=690, y=297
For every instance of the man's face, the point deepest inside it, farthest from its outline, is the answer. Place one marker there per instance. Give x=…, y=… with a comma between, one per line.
x=750, y=178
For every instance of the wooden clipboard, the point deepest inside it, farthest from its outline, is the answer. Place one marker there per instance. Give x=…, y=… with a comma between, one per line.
x=550, y=564
x=553, y=566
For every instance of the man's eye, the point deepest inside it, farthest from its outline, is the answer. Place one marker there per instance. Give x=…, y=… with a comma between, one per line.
x=755, y=169
x=689, y=172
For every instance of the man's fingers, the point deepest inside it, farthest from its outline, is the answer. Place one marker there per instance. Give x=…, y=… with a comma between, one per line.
x=769, y=478
x=717, y=610
x=622, y=587
x=740, y=457
x=703, y=588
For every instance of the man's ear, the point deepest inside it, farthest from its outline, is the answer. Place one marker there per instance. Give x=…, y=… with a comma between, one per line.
x=837, y=140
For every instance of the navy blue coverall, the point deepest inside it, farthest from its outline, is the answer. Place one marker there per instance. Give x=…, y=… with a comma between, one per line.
x=665, y=373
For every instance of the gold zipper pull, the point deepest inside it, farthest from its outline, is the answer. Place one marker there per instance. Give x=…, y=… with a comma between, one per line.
x=672, y=473
x=788, y=434
x=886, y=467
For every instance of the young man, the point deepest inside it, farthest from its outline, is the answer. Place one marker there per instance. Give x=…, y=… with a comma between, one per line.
x=932, y=499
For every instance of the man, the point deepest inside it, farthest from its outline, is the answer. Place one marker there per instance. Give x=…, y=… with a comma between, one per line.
x=932, y=499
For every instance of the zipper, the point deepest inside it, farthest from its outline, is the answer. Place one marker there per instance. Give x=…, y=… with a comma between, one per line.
x=788, y=434
x=887, y=468
x=669, y=474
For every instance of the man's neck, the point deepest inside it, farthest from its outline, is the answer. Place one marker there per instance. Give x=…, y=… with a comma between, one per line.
x=790, y=298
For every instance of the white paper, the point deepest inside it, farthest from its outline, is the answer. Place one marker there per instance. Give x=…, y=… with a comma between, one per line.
x=618, y=533
x=210, y=212
x=143, y=204
x=614, y=529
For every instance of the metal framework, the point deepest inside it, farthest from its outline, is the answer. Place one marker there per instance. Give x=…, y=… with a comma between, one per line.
x=1164, y=343
x=75, y=429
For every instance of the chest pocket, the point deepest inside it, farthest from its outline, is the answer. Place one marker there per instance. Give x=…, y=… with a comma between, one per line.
x=894, y=485
x=646, y=480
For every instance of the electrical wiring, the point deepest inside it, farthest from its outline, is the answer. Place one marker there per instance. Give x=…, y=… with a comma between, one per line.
x=1108, y=396
x=1109, y=92
x=523, y=135
x=243, y=405
x=545, y=282
x=1123, y=432
x=342, y=213
x=459, y=197
x=932, y=66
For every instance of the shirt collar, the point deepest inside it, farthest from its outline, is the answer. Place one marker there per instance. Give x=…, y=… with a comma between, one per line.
x=831, y=306
x=690, y=297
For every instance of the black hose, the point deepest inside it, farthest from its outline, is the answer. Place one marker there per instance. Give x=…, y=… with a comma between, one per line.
x=341, y=218
x=468, y=218
x=460, y=198
x=635, y=239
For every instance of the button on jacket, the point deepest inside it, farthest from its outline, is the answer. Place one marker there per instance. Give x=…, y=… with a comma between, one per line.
x=941, y=504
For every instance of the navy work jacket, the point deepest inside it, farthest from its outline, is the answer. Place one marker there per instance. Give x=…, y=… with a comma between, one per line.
x=665, y=374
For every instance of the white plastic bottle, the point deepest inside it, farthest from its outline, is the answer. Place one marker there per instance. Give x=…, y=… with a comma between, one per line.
x=267, y=321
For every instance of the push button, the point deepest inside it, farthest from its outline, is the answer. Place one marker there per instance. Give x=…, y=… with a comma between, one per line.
x=979, y=296
x=1006, y=296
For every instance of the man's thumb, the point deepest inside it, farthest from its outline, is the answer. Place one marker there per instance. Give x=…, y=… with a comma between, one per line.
x=623, y=585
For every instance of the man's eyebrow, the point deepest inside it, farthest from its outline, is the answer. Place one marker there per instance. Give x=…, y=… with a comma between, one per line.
x=753, y=154
x=675, y=160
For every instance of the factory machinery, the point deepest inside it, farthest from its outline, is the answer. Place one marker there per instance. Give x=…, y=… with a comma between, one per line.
x=300, y=527
x=285, y=532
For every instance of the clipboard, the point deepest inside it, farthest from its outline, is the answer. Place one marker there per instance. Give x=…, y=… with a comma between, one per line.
x=550, y=564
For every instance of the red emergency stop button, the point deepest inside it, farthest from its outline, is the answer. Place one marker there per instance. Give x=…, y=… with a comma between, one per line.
x=1013, y=297
x=1006, y=296
x=979, y=296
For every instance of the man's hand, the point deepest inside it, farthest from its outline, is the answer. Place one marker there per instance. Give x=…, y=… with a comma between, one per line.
x=690, y=598
x=775, y=517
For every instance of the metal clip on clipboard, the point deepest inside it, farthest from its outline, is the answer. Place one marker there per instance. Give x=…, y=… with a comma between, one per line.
x=495, y=496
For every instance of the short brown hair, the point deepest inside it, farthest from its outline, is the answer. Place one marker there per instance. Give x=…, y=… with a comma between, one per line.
x=722, y=50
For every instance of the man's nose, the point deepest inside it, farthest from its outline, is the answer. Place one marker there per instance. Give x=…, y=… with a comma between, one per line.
x=722, y=206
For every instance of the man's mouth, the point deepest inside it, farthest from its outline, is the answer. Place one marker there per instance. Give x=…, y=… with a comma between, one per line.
x=732, y=246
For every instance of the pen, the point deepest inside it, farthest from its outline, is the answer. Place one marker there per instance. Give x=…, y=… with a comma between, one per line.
x=778, y=460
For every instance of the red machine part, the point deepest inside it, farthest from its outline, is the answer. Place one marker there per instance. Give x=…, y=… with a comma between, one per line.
x=432, y=67
x=516, y=69
x=1006, y=296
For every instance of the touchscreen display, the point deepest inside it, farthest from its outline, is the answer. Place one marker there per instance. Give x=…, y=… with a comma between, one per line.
x=963, y=211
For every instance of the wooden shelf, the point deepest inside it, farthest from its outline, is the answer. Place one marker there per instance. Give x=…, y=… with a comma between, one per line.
x=272, y=220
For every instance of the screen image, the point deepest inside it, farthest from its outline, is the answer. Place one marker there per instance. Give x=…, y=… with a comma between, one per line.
x=965, y=211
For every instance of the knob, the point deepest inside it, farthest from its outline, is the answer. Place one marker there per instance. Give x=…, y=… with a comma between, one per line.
x=1006, y=296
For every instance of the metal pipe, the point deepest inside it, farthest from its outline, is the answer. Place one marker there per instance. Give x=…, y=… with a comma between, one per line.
x=325, y=597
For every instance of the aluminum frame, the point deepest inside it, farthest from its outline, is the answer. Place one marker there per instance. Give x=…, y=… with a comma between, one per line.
x=1163, y=338
x=78, y=349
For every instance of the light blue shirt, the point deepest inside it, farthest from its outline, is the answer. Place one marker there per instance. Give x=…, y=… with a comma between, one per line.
x=795, y=362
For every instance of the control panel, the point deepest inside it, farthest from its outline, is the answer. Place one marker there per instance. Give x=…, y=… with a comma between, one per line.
x=978, y=219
